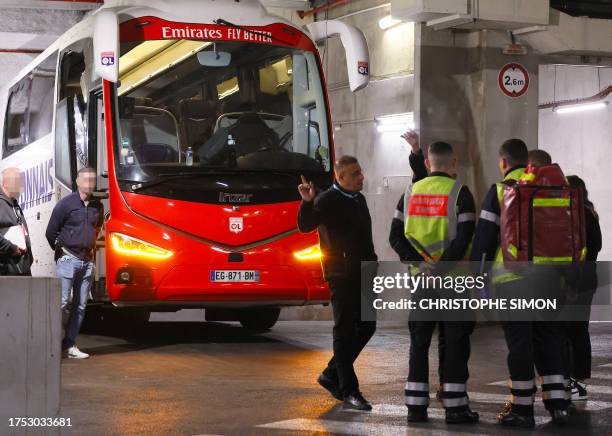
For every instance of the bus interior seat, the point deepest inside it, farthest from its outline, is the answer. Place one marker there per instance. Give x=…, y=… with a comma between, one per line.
x=197, y=118
x=250, y=132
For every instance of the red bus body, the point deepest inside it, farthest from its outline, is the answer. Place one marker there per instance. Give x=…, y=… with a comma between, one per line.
x=199, y=235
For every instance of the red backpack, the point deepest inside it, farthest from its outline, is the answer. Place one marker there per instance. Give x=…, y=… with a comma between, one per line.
x=542, y=218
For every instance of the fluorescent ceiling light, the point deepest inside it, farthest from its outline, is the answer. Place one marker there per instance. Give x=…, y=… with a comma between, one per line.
x=395, y=122
x=388, y=22
x=580, y=107
x=151, y=60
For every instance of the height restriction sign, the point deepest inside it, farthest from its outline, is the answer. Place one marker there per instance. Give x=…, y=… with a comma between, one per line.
x=513, y=80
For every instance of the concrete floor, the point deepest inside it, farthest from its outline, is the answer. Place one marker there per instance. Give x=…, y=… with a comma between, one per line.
x=198, y=378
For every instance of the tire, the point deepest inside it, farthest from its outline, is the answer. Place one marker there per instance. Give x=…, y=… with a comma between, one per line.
x=260, y=319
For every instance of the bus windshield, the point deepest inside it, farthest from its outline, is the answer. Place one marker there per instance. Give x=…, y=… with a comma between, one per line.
x=195, y=106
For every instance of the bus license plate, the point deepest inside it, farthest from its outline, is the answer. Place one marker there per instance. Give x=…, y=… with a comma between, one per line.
x=234, y=276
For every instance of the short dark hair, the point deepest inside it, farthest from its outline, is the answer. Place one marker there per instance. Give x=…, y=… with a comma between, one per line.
x=440, y=153
x=515, y=152
x=85, y=170
x=539, y=158
x=343, y=162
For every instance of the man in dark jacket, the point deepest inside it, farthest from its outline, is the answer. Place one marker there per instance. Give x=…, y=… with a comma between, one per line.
x=345, y=232
x=15, y=249
x=72, y=232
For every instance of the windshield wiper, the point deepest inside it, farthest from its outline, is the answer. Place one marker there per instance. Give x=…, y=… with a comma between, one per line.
x=254, y=32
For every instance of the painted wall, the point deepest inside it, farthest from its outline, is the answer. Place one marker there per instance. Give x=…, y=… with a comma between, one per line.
x=580, y=142
x=383, y=157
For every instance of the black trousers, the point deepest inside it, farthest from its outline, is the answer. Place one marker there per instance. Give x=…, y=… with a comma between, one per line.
x=538, y=343
x=350, y=333
x=578, y=345
x=454, y=353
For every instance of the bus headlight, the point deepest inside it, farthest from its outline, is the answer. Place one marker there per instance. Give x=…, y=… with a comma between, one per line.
x=128, y=245
x=309, y=253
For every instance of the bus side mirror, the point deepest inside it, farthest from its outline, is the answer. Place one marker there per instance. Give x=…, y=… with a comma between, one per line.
x=106, y=46
x=355, y=46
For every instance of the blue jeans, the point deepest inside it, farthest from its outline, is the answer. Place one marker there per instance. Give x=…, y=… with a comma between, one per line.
x=76, y=276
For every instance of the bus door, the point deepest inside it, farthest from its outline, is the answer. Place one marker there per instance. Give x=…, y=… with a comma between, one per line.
x=80, y=137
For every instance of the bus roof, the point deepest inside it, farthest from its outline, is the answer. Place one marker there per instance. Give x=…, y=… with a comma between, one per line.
x=244, y=12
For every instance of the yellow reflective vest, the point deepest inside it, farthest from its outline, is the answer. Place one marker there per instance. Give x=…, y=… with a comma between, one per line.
x=430, y=211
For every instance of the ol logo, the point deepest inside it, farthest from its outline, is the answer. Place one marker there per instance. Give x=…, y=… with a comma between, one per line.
x=363, y=68
x=235, y=224
x=107, y=58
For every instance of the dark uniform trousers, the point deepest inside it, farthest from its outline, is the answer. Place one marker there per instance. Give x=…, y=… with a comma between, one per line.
x=539, y=343
x=453, y=363
x=350, y=333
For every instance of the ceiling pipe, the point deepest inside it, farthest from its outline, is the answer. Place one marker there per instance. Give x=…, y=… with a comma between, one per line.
x=20, y=50
x=593, y=99
x=77, y=1
x=326, y=7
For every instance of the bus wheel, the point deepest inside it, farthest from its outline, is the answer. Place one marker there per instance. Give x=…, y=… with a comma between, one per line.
x=260, y=319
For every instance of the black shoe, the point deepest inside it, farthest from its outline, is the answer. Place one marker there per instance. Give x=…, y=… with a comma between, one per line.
x=331, y=386
x=417, y=415
x=463, y=417
x=559, y=416
x=357, y=402
x=513, y=419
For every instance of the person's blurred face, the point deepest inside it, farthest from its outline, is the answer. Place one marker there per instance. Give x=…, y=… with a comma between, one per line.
x=351, y=178
x=86, y=182
x=12, y=182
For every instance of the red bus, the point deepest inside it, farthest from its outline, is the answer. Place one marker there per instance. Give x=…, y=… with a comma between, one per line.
x=200, y=117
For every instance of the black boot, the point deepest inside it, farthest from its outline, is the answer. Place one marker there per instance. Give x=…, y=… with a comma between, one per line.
x=466, y=416
x=417, y=414
x=357, y=402
x=331, y=386
x=559, y=416
x=509, y=418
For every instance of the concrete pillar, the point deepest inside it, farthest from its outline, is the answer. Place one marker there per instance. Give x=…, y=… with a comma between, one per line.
x=458, y=99
x=30, y=322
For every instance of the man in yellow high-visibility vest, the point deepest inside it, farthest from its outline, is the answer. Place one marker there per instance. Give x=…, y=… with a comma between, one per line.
x=529, y=342
x=439, y=224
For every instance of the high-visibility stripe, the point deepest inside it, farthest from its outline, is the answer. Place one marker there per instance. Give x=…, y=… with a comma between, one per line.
x=522, y=401
x=553, y=395
x=583, y=253
x=453, y=387
x=423, y=251
x=452, y=211
x=407, y=199
x=549, y=379
x=416, y=401
x=521, y=384
x=544, y=259
x=528, y=177
x=513, y=250
x=551, y=202
x=416, y=386
x=455, y=402
x=465, y=217
x=489, y=216
x=398, y=215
